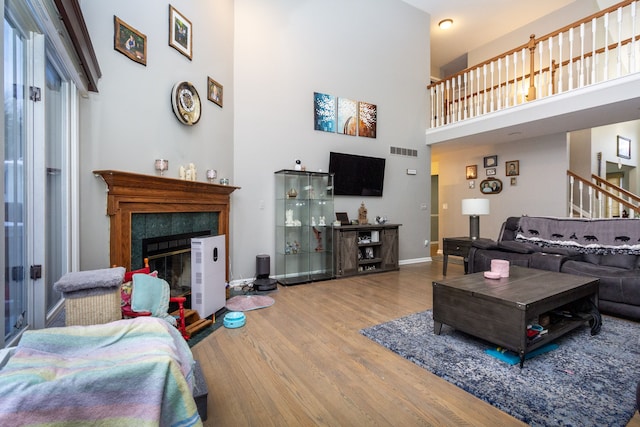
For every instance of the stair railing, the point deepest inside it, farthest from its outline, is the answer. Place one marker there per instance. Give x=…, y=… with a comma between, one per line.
x=589, y=199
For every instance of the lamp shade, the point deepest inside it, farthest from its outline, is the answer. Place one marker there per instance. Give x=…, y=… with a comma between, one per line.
x=475, y=206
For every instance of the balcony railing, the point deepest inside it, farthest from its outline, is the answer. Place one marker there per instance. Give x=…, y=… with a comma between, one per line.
x=598, y=48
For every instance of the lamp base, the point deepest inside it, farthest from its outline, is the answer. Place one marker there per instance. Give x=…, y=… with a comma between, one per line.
x=474, y=227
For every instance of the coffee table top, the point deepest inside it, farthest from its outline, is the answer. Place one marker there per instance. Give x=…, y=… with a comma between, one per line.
x=523, y=286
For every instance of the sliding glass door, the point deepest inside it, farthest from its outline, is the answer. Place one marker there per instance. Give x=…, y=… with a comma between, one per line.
x=15, y=207
x=37, y=150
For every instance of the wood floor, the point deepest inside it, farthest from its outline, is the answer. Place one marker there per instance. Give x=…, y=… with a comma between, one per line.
x=303, y=362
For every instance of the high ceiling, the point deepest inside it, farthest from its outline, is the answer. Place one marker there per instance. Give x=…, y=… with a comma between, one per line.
x=478, y=22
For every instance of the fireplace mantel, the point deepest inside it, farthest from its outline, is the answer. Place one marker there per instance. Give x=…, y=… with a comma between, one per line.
x=129, y=193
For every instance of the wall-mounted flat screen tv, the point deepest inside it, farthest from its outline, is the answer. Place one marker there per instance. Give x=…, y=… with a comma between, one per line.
x=356, y=175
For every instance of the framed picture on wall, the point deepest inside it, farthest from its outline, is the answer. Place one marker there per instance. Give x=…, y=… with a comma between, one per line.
x=512, y=168
x=624, y=147
x=472, y=172
x=214, y=91
x=129, y=41
x=490, y=161
x=180, y=33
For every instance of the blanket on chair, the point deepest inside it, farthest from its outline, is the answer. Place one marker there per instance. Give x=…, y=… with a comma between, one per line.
x=594, y=236
x=130, y=372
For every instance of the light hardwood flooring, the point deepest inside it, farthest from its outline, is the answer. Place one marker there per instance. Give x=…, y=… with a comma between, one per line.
x=303, y=362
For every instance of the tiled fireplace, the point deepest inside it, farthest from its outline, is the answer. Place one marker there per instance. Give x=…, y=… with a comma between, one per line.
x=153, y=213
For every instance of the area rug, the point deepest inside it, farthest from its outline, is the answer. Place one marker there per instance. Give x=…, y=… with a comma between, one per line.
x=248, y=302
x=587, y=381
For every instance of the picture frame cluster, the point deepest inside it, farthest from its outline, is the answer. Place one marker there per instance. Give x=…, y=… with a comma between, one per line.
x=492, y=185
x=132, y=43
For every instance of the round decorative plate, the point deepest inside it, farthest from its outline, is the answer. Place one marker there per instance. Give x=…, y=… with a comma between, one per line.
x=186, y=103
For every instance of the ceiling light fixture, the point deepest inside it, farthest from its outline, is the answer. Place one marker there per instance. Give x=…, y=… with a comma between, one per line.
x=445, y=23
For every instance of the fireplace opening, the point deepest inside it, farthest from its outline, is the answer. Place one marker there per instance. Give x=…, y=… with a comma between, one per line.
x=170, y=256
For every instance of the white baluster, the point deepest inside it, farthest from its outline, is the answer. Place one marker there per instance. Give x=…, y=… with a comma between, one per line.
x=606, y=47
x=506, y=80
x=619, y=57
x=633, y=38
x=524, y=73
x=465, y=103
x=492, y=100
x=499, y=83
x=446, y=102
x=570, y=65
x=540, y=61
x=478, y=90
x=580, y=194
x=561, y=69
x=590, y=192
x=571, y=191
x=581, y=83
x=550, y=66
x=515, y=78
x=484, y=108
x=594, y=61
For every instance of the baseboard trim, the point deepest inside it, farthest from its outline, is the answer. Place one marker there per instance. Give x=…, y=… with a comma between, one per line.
x=415, y=260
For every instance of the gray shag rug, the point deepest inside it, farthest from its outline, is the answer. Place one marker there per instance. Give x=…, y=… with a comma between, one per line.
x=587, y=381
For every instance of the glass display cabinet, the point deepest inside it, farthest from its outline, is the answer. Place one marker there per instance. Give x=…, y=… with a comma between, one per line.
x=304, y=213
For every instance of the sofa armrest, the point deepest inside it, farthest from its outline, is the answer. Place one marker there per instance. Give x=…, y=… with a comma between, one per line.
x=546, y=261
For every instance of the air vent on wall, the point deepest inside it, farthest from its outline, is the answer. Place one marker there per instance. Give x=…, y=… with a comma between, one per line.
x=403, y=151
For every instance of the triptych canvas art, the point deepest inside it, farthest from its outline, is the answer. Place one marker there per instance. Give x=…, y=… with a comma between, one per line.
x=345, y=116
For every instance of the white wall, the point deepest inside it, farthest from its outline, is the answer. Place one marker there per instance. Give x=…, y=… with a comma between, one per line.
x=129, y=123
x=539, y=189
x=270, y=57
x=368, y=51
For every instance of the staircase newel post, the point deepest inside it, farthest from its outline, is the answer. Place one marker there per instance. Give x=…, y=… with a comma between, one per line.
x=532, y=86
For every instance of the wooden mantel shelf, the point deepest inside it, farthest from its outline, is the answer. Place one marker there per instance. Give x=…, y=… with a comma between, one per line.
x=130, y=193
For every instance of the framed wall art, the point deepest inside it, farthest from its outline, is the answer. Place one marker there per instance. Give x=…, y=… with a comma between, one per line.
x=180, y=33
x=129, y=41
x=624, y=147
x=347, y=116
x=367, y=119
x=324, y=107
x=214, y=91
x=472, y=171
x=491, y=171
x=491, y=161
x=512, y=168
x=491, y=186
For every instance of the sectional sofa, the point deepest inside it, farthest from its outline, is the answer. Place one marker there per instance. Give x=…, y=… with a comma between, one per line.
x=608, y=249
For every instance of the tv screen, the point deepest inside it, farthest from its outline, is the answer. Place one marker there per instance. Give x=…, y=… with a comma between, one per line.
x=356, y=175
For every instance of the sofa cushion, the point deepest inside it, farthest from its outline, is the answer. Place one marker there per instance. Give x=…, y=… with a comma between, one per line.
x=616, y=284
x=518, y=247
x=628, y=262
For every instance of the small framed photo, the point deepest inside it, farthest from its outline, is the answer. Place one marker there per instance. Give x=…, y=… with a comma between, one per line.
x=343, y=218
x=512, y=168
x=491, y=171
x=514, y=180
x=491, y=161
x=129, y=41
x=472, y=172
x=624, y=147
x=180, y=32
x=214, y=91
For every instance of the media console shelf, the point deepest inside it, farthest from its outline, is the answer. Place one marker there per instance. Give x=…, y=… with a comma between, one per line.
x=363, y=249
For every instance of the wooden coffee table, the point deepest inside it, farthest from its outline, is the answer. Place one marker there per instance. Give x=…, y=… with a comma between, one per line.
x=499, y=310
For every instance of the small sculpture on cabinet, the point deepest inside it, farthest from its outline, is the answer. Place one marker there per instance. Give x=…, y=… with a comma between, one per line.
x=362, y=214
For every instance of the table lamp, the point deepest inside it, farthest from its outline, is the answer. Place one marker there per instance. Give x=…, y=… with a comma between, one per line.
x=474, y=208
